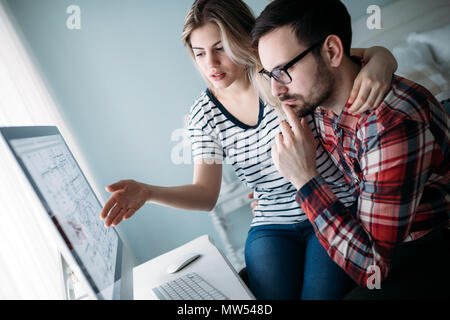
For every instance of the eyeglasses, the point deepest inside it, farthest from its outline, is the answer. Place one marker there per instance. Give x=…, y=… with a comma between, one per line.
x=281, y=74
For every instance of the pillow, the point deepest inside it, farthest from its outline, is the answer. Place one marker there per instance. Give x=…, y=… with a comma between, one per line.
x=415, y=62
x=410, y=54
x=438, y=40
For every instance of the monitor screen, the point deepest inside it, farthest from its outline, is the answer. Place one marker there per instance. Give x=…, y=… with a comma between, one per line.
x=71, y=204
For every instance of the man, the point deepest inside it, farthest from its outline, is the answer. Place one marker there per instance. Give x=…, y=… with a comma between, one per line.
x=397, y=156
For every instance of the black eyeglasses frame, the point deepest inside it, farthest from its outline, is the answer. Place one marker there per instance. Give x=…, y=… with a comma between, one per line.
x=275, y=73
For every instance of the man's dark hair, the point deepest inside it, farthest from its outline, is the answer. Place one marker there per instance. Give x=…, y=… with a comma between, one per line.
x=312, y=21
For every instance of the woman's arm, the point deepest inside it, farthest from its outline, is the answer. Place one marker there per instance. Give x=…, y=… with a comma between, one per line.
x=374, y=80
x=201, y=195
x=129, y=195
x=376, y=52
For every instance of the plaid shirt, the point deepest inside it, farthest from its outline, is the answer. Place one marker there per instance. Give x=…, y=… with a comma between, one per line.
x=397, y=157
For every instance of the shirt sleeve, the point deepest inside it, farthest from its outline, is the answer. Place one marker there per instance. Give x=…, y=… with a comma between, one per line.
x=205, y=142
x=395, y=165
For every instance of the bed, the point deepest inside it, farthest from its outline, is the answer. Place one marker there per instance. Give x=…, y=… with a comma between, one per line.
x=418, y=34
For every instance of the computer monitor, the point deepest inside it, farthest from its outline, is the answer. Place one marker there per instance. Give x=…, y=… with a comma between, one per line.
x=91, y=250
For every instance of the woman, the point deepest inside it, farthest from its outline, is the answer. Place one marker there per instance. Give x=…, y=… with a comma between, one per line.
x=229, y=120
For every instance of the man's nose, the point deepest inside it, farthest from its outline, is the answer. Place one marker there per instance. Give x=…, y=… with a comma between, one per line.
x=277, y=88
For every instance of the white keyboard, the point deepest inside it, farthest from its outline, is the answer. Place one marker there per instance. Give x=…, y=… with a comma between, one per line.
x=188, y=287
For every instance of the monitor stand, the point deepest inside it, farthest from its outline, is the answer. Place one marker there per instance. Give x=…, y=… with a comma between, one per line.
x=73, y=288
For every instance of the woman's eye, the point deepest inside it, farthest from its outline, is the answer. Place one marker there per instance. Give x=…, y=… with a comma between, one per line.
x=199, y=54
x=219, y=49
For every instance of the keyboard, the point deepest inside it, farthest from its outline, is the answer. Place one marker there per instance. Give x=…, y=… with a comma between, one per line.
x=188, y=287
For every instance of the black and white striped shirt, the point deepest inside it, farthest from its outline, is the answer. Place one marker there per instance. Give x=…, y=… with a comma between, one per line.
x=216, y=134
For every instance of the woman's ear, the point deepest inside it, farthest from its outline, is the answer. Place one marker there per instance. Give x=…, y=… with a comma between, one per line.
x=333, y=51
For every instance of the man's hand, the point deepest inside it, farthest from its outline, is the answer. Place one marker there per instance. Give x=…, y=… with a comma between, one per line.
x=294, y=150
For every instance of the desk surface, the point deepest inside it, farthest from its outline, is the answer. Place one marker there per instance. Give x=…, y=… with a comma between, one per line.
x=212, y=266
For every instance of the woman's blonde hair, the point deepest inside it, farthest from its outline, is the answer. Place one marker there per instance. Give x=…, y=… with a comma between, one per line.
x=235, y=21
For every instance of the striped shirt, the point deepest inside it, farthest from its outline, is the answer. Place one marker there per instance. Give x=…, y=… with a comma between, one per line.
x=398, y=158
x=216, y=134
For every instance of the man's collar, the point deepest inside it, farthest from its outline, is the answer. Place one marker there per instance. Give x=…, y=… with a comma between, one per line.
x=348, y=120
x=345, y=119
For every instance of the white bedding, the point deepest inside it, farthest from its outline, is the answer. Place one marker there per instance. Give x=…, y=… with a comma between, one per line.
x=418, y=34
x=418, y=60
x=399, y=19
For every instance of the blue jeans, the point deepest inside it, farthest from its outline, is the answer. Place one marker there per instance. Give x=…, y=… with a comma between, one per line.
x=288, y=262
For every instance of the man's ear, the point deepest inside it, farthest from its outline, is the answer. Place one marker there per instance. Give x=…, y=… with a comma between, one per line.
x=333, y=51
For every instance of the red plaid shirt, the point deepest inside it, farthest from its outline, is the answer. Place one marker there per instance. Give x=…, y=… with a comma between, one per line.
x=397, y=157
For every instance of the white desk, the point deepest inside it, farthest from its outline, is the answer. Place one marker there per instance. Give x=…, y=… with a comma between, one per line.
x=211, y=266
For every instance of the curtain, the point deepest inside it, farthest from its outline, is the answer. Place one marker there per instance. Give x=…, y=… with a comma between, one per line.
x=29, y=259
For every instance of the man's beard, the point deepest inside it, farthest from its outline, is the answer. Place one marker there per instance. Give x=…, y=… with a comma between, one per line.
x=322, y=89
